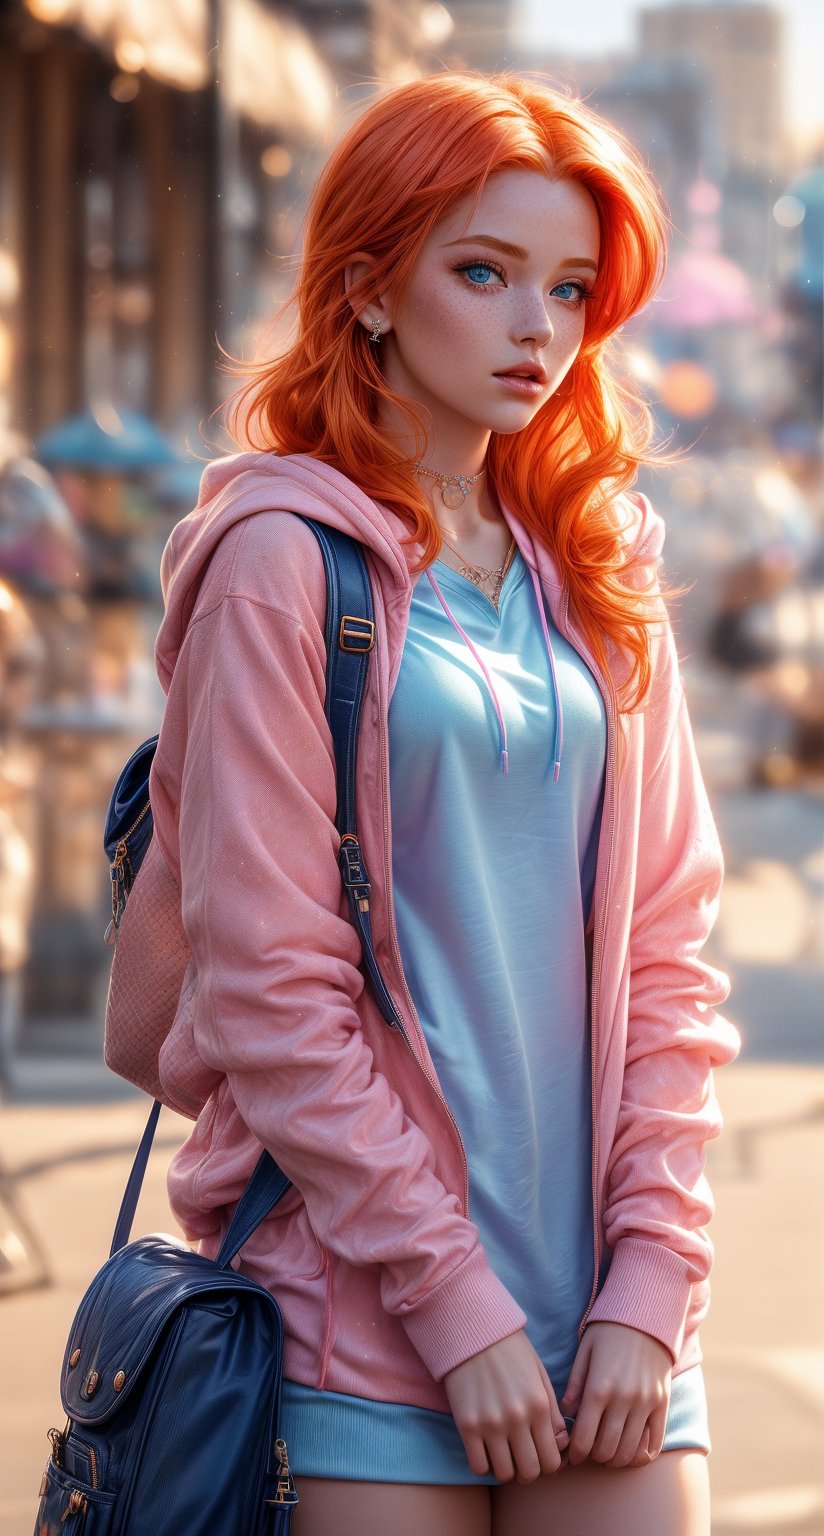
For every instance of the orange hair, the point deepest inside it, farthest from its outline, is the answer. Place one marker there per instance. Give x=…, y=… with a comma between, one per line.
x=400, y=167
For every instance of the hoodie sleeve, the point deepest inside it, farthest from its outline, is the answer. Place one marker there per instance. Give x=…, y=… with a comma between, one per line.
x=279, y=978
x=658, y=1200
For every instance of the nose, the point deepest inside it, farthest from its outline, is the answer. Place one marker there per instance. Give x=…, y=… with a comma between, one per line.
x=533, y=322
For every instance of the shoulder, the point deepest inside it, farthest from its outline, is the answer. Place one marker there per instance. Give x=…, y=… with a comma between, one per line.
x=272, y=558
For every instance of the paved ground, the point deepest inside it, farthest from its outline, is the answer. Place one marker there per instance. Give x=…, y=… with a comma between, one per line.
x=69, y=1132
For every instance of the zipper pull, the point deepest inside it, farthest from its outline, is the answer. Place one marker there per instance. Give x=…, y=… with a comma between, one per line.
x=77, y=1502
x=57, y=1445
x=285, y=1493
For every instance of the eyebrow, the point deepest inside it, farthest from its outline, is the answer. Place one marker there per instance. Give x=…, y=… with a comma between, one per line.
x=517, y=250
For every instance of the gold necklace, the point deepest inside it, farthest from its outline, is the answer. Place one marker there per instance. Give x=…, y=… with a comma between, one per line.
x=481, y=573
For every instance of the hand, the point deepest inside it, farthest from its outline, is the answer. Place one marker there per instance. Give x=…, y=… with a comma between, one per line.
x=619, y=1391
x=506, y=1412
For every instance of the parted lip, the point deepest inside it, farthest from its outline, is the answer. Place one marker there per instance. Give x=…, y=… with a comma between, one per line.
x=526, y=371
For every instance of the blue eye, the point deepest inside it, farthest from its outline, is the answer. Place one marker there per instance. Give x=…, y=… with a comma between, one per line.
x=578, y=291
x=482, y=267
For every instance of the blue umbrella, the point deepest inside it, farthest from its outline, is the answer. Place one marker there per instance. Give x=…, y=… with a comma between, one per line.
x=106, y=438
x=180, y=483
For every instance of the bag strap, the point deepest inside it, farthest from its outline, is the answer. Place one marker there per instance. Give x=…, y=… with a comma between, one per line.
x=350, y=636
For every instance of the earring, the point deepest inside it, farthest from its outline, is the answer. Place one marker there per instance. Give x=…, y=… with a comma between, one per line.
x=376, y=331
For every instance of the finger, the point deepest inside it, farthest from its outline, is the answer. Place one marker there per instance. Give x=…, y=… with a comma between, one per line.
x=586, y=1427
x=475, y=1452
x=608, y=1438
x=642, y=1456
x=571, y=1399
x=559, y=1428
x=630, y=1441
x=500, y=1456
x=524, y=1454
x=658, y=1427
x=550, y=1445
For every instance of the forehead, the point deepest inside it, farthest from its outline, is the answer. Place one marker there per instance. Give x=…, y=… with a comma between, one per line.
x=530, y=209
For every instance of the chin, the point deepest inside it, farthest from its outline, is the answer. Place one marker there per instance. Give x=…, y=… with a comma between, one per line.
x=508, y=423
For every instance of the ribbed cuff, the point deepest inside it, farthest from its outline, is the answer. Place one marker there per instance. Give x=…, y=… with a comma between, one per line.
x=648, y=1287
x=467, y=1312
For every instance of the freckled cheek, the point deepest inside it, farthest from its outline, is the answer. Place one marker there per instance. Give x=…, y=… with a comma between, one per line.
x=451, y=315
x=568, y=339
x=447, y=321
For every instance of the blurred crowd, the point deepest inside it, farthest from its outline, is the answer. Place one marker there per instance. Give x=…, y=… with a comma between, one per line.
x=79, y=604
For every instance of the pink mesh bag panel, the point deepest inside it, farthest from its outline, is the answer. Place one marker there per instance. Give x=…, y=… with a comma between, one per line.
x=148, y=1006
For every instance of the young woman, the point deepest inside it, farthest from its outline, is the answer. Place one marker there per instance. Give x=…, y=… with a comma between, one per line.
x=499, y=1212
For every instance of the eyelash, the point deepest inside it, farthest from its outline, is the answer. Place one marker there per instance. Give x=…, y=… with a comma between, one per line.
x=469, y=266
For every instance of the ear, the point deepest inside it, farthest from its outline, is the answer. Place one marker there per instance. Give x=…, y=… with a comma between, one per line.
x=359, y=267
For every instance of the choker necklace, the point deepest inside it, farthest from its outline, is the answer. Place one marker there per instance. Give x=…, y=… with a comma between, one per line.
x=454, y=489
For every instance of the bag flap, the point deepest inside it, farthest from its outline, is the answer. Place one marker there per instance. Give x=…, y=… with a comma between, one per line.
x=129, y=798
x=124, y=1311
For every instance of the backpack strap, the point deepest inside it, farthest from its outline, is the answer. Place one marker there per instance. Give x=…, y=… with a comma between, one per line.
x=349, y=633
x=350, y=636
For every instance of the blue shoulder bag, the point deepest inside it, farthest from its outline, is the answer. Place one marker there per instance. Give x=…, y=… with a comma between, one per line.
x=171, y=1378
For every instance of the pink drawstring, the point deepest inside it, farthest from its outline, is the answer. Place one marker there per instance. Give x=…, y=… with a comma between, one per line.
x=481, y=663
x=559, y=726
x=559, y=719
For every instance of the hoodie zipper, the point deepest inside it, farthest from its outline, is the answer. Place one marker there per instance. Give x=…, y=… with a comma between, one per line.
x=382, y=715
x=598, y=945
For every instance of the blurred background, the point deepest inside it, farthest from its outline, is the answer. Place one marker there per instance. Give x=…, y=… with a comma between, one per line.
x=156, y=159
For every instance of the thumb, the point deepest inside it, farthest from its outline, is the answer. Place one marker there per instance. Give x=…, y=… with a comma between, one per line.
x=571, y=1400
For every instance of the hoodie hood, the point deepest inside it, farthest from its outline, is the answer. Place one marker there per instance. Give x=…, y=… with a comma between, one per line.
x=234, y=487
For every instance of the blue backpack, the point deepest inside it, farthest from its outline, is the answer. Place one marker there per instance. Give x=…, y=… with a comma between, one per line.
x=171, y=1378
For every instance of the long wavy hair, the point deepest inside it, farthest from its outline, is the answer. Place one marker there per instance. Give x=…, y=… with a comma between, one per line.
x=409, y=157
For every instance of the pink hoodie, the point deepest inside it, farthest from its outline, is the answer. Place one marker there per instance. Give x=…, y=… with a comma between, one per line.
x=373, y=1256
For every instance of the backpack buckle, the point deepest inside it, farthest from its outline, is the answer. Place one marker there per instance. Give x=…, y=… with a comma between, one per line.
x=357, y=630
x=353, y=871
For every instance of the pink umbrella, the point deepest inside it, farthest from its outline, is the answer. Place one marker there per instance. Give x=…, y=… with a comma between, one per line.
x=703, y=288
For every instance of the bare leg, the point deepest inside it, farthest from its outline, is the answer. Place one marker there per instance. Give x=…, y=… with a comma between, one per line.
x=334, y=1507
x=671, y=1494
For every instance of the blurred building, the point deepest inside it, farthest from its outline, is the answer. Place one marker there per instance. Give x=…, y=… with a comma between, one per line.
x=799, y=217
x=737, y=47
x=661, y=105
x=370, y=44
x=735, y=51
x=130, y=172
x=483, y=37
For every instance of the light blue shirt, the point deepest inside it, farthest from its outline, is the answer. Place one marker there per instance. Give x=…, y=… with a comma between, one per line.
x=493, y=876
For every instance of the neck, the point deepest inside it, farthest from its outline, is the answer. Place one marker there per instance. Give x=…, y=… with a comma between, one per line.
x=452, y=446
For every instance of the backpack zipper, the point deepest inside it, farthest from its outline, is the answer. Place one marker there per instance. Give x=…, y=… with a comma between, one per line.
x=121, y=854
x=121, y=849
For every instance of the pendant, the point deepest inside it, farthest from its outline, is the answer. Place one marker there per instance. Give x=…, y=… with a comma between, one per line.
x=453, y=495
